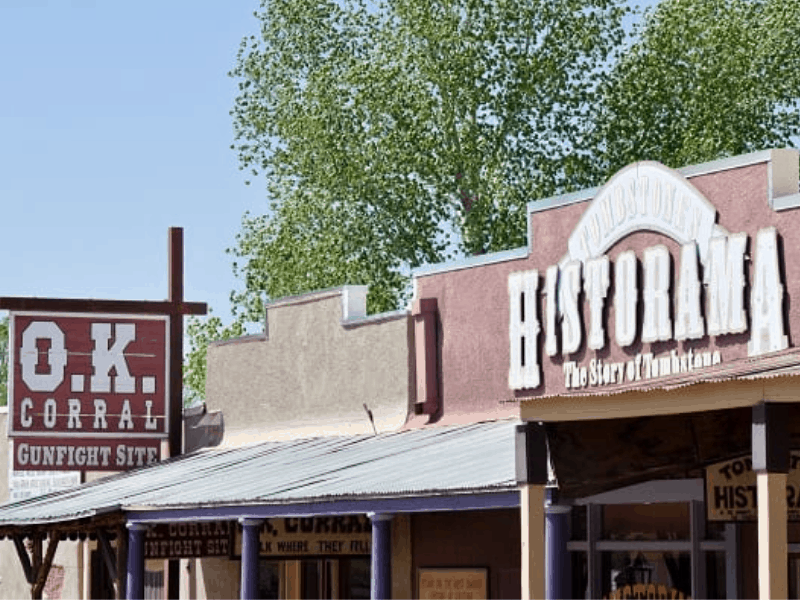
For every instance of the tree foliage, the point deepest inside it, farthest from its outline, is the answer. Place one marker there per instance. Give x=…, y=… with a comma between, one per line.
x=201, y=333
x=704, y=79
x=384, y=128
x=404, y=132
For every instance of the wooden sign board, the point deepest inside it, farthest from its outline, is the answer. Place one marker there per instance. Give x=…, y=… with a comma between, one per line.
x=731, y=490
x=188, y=540
x=349, y=535
x=88, y=391
x=439, y=584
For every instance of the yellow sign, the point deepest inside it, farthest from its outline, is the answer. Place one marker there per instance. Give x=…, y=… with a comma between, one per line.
x=452, y=583
x=314, y=536
x=731, y=490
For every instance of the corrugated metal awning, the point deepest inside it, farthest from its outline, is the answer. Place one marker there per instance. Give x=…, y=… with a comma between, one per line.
x=435, y=461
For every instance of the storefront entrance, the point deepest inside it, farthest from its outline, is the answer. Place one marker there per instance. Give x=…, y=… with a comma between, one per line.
x=653, y=540
x=327, y=578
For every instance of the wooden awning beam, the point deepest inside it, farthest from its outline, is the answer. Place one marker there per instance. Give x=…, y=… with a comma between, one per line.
x=109, y=557
x=44, y=568
x=24, y=557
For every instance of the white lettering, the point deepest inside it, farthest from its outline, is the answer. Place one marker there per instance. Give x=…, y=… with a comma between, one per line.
x=523, y=330
x=74, y=421
x=150, y=422
x=125, y=419
x=725, y=305
x=625, y=296
x=656, y=325
x=596, y=286
x=571, y=332
x=50, y=413
x=106, y=356
x=688, y=320
x=767, y=297
x=24, y=418
x=56, y=356
x=22, y=454
x=100, y=414
x=551, y=289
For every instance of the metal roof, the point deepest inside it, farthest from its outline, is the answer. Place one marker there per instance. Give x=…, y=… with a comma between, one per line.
x=447, y=460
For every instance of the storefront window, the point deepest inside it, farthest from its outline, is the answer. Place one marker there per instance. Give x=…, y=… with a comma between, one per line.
x=269, y=579
x=634, y=574
x=335, y=578
x=578, y=522
x=794, y=576
x=580, y=575
x=715, y=575
x=354, y=577
x=715, y=530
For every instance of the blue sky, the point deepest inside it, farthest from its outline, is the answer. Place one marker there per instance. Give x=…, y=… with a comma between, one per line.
x=114, y=126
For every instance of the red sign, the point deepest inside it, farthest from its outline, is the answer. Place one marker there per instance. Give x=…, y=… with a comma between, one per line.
x=83, y=454
x=97, y=382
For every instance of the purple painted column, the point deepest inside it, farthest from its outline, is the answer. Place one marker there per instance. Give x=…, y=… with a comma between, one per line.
x=381, y=567
x=135, y=579
x=556, y=536
x=250, y=553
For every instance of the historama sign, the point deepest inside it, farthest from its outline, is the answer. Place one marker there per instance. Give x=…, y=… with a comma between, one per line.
x=695, y=291
x=659, y=278
x=88, y=391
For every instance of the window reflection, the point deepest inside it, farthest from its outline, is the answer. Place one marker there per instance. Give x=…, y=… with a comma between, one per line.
x=646, y=574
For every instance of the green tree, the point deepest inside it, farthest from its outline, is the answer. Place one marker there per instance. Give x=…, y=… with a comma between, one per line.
x=408, y=132
x=201, y=333
x=397, y=133
x=384, y=128
x=704, y=79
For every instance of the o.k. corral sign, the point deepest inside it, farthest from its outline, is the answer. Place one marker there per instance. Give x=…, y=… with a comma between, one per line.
x=88, y=391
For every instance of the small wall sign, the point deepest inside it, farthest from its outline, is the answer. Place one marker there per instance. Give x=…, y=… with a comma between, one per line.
x=452, y=583
x=731, y=490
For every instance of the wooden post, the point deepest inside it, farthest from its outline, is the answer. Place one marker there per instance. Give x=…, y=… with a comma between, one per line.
x=44, y=567
x=531, y=468
x=771, y=464
x=36, y=564
x=176, y=341
x=773, y=575
x=533, y=554
x=175, y=374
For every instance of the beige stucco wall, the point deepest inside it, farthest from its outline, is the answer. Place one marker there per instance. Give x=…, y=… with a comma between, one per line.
x=319, y=361
x=210, y=578
x=12, y=578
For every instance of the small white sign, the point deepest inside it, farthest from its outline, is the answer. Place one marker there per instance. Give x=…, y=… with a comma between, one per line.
x=28, y=484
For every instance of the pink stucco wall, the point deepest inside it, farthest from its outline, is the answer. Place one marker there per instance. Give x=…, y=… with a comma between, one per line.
x=474, y=304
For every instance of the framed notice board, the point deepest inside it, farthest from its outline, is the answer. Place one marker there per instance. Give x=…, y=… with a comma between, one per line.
x=447, y=583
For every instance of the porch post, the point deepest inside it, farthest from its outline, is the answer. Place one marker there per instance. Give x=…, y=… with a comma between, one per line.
x=250, y=553
x=532, y=475
x=771, y=465
x=381, y=567
x=556, y=533
x=135, y=579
